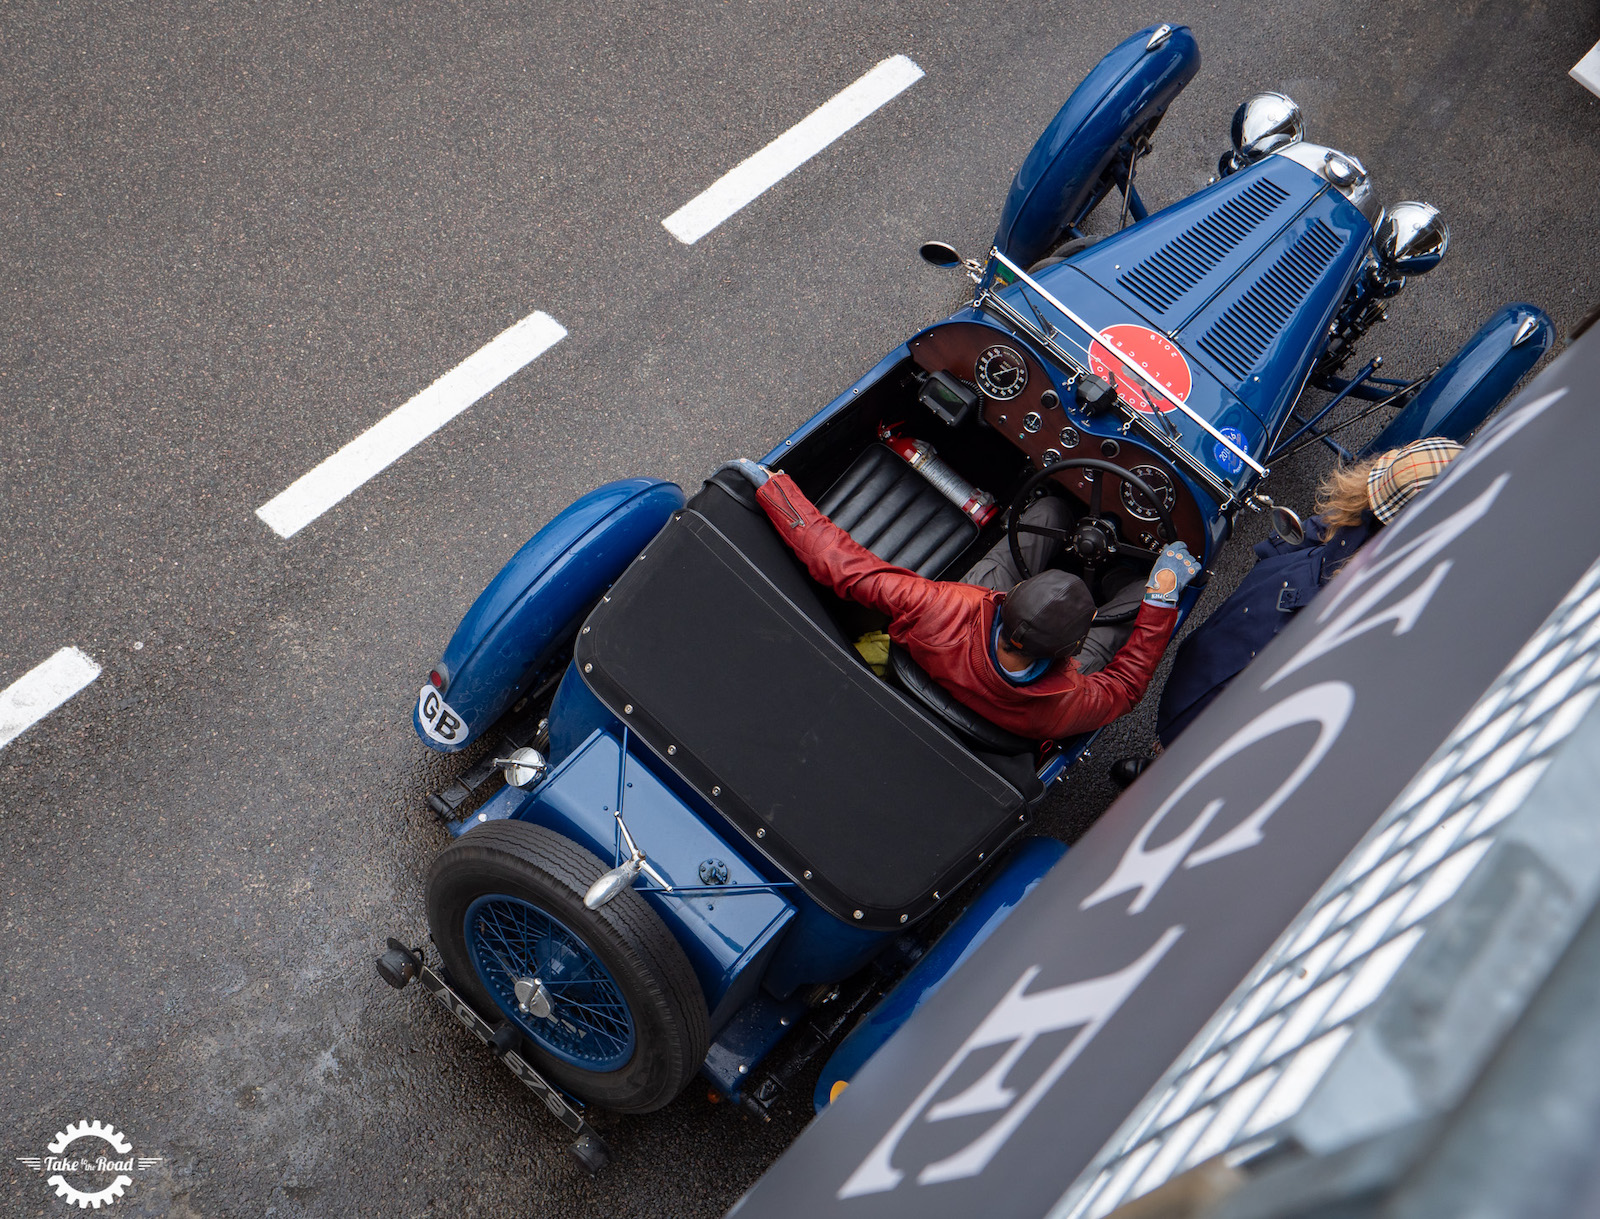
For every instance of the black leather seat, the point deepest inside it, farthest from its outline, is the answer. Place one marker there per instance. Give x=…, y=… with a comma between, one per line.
x=977, y=731
x=896, y=513
x=1007, y=754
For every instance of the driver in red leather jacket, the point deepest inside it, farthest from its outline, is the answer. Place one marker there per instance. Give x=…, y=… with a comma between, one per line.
x=950, y=629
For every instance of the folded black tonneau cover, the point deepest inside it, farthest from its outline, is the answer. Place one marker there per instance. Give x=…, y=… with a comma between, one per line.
x=727, y=666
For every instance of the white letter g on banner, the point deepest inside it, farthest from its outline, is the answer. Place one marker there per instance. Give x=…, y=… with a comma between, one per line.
x=1327, y=704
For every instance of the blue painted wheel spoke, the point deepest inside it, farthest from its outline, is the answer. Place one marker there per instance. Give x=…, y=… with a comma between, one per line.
x=590, y=1024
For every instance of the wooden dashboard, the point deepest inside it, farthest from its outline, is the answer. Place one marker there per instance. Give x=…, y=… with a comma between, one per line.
x=1031, y=416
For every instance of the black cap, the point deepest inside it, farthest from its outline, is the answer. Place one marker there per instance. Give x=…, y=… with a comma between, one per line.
x=1048, y=615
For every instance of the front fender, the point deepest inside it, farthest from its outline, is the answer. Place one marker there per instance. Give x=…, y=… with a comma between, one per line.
x=1126, y=91
x=530, y=609
x=1474, y=382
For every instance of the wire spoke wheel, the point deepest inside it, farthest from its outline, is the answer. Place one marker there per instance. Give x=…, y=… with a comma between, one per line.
x=589, y=1023
x=606, y=1002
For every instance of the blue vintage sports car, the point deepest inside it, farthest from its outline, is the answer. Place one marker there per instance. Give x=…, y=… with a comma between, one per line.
x=723, y=839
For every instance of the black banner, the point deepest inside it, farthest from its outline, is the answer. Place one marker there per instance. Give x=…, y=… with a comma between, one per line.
x=1002, y=1089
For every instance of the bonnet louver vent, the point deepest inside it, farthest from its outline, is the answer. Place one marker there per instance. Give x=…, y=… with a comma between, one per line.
x=1251, y=323
x=1166, y=275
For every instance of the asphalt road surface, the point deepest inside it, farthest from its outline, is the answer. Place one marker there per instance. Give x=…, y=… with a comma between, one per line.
x=236, y=236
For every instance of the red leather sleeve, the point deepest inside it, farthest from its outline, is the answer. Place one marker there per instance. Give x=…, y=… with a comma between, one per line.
x=1116, y=689
x=835, y=559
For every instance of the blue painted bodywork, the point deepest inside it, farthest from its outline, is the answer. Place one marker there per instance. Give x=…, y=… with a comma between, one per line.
x=727, y=939
x=1474, y=382
x=1024, y=870
x=527, y=613
x=1243, y=277
x=575, y=714
x=746, y=1039
x=1125, y=92
x=1248, y=307
x=822, y=949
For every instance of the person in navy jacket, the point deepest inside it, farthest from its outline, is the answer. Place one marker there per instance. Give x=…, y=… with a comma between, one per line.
x=1353, y=503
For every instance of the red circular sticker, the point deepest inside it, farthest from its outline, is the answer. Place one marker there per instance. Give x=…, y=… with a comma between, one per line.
x=1157, y=358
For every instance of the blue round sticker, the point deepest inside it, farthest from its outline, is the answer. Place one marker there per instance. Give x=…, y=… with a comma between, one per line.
x=1226, y=458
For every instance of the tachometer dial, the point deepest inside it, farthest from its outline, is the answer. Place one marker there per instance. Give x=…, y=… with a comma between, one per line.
x=1001, y=372
x=1157, y=480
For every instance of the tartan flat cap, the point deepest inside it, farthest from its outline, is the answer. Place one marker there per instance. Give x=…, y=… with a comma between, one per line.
x=1395, y=481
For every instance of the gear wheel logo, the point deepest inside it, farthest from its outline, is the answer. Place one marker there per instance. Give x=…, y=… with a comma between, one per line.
x=81, y=1152
x=84, y=1130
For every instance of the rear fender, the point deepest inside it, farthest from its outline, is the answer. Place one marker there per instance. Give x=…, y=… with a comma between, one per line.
x=530, y=610
x=1126, y=92
x=1475, y=381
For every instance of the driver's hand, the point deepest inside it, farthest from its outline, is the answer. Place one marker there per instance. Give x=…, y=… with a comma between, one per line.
x=743, y=466
x=1170, y=576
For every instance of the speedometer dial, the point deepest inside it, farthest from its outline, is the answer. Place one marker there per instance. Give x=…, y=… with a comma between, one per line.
x=1157, y=480
x=1001, y=372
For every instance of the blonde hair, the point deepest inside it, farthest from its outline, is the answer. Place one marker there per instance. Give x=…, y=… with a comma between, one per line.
x=1342, y=495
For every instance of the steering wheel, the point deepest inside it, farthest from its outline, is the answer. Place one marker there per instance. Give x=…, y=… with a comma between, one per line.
x=1093, y=538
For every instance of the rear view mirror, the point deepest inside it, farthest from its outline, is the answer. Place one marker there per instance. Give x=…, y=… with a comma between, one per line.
x=939, y=254
x=1287, y=525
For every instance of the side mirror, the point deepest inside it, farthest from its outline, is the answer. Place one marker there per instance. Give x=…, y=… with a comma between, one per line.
x=939, y=254
x=1286, y=523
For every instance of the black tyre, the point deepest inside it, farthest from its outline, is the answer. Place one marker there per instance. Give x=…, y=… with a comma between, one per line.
x=613, y=1011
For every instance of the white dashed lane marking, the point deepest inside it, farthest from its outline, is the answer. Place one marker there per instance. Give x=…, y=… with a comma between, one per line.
x=792, y=149
x=1587, y=70
x=41, y=690
x=309, y=496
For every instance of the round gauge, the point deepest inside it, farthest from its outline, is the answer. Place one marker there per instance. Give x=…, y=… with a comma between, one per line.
x=1031, y=422
x=1001, y=372
x=1050, y=456
x=1070, y=437
x=1157, y=480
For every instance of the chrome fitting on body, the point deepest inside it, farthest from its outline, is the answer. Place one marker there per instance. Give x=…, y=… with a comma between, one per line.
x=525, y=767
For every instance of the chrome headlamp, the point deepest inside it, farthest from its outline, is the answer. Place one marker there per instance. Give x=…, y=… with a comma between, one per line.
x=1410, y=241
x=1265, y=123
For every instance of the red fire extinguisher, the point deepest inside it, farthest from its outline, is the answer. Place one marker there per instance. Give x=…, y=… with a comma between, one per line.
x=922, y=458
